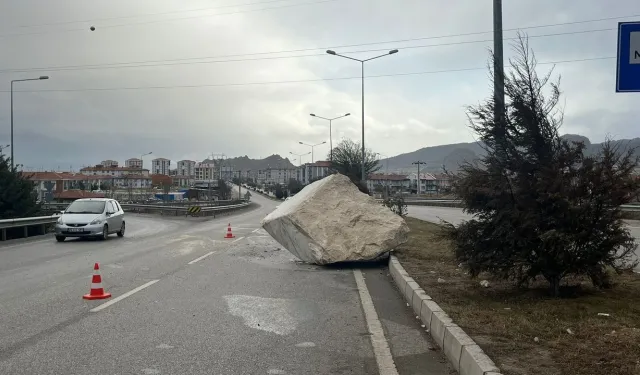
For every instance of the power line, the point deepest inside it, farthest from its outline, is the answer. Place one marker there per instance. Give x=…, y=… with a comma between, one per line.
x=149, y=14
x=186, y=61
x=171, y=19
x=296, y=81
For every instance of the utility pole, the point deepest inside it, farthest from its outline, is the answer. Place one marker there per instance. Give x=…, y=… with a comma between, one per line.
x=498, y=65
x=418, y=185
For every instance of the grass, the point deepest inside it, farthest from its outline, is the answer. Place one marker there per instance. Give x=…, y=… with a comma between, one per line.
x=506, y=321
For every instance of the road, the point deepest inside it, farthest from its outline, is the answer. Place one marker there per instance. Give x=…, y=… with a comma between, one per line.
x=455, y=216
x=187, y=301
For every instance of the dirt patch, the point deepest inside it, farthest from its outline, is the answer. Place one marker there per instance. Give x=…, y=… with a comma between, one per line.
x=572, y=339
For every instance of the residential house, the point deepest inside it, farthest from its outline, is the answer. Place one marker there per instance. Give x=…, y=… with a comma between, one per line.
x=160, y=166
x=275, y=176
x=391, y=183
x=428, y=183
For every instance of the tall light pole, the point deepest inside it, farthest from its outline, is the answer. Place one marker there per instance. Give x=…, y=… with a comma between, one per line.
x=362, y=70
x=300, y=156
x=418, y=185
x=19, y=80
x=386, y=173
x=330, y=136
x=143, y=155
x=312, y=147
x=498, y=64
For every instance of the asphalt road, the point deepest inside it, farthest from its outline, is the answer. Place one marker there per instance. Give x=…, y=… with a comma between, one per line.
x=187, y=301
x=455, y=216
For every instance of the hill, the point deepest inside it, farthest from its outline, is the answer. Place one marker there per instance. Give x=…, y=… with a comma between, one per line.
x=244, y=163
x=452, y=155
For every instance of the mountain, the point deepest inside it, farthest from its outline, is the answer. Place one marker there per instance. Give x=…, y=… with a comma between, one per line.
x=243, y=163
x=453, y=155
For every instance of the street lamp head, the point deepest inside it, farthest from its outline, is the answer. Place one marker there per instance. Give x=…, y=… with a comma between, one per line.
x=331, y=52
x=323, y=142
x=301, y=143
x=348, y=114
x=44, y=77
x=393, y=51
x=312, y=114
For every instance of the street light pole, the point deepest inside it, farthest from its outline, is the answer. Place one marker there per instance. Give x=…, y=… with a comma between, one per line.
x=498, y=64
x=312, y=147
x=418, y=185
x=299, y=157
x=363, y=177
x=141, y=162
x=19, y=80
x=330, y=136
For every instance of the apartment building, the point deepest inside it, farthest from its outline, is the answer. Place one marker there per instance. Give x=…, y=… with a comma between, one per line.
x=310, y=172
x=186, y=168
x=160, y=166
x=100, y=170
x=109, y=163
x=391, y=183
x=205, y=172
x=133, y=163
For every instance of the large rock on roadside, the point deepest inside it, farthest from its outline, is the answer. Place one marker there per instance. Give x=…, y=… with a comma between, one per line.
x=331, y=221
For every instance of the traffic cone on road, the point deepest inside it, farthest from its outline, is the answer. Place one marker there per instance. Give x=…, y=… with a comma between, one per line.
x=97, y=292
x=229, y=234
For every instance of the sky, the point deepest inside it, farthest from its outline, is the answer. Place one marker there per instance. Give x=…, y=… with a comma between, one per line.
x=185, y=80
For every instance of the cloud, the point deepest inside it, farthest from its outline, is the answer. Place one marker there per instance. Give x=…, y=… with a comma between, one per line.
x=235, y=117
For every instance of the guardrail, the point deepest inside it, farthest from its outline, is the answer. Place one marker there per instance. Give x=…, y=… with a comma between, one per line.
x=39, y=225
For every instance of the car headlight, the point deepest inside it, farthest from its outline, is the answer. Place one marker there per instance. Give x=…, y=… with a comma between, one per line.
x=96, y=221
x=60, y=221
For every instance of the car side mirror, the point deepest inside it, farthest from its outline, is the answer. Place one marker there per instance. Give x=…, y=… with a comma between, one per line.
x=109, y=213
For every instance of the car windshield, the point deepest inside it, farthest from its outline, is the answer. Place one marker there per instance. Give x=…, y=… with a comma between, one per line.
x=85, y=207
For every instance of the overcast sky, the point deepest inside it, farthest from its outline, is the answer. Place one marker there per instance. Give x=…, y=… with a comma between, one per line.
x=175, y=100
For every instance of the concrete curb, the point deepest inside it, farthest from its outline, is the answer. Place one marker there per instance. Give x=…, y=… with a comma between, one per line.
x=465, y=355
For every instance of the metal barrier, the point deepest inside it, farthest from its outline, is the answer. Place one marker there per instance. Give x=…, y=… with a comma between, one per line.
x=39, y=222
x=42, y=222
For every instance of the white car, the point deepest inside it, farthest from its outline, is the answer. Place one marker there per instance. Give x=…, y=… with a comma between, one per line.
x=91, y=217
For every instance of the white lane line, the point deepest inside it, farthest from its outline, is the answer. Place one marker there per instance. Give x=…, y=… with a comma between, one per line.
x=381, y=350
x=200, y=258
x=255, y=230
x=120, y=298
x=236, y=240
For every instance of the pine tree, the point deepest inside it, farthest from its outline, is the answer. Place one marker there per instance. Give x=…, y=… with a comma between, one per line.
x=17, y=195
x=540, y=205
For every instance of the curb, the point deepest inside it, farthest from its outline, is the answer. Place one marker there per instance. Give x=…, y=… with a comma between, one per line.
x=464, y=354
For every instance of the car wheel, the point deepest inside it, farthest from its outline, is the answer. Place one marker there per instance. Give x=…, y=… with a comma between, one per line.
x=105, y=232
x=121, y=232
x=60, y=238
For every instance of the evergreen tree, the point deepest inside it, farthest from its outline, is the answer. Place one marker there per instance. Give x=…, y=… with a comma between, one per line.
x=540, y=205
x=17, y=195
x=347, y=160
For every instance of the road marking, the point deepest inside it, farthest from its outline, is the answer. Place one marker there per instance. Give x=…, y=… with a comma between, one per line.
x=255, y=230
x=200, y=258
x=234, y=241
x=381, y=350
x=120, y=298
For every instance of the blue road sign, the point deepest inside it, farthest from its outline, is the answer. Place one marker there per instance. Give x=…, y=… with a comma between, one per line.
x=628, y=68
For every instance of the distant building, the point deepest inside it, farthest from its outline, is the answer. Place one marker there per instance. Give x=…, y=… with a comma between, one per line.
x=186, y=168
x=392, y=183
x=133, y=163
x=160, y=166
x=109, y=163
x=271, y=176
x=100, y=170
x=206, y=172
x=310, y=172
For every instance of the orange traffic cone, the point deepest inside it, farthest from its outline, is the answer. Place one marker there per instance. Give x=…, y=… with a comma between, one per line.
x=229, y=234
x=97, y=292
